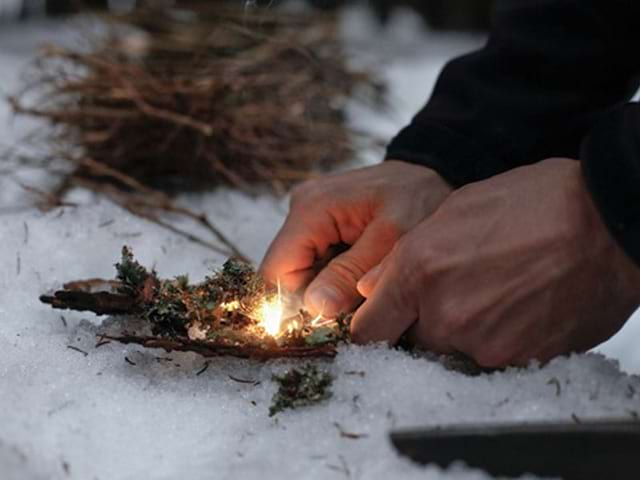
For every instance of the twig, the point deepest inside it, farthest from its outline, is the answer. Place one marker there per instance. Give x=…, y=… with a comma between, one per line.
x=343, y=468
x=76, y=349
x=48, y=201
x=349, y=435
x=101, y=342
x=242, y=380
x=154, y=200
x=203, y=369
x=554, y=381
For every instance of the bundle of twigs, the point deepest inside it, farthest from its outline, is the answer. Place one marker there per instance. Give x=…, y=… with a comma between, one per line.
x=200, y=97
x=193, y=98
x=213, y=318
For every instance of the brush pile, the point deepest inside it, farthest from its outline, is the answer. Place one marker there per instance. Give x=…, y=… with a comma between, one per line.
x=199, y=97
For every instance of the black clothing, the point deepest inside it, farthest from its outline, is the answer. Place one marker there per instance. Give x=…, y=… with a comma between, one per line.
x=553, y=81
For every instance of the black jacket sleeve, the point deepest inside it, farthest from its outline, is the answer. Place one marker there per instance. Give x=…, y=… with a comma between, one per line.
x=553, y=80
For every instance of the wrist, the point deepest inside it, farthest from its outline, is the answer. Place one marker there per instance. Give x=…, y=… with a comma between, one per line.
x=430, y=175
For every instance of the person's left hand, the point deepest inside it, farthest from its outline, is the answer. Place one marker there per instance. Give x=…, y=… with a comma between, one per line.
x=514, y=268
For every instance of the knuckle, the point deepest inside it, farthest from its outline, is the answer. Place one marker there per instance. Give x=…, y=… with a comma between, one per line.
x=297, y=193
x=451, y=326
x=418, y=260
x=347, y=269
x=448, y=325
x=304, y=191
x=494, y=356
x=402, y=254
x=390, y=229
x=405, y=249
x=438, y=334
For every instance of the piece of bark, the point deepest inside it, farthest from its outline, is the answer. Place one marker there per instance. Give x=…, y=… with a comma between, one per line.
x=100, y=303
x=93, y=285
x=94, y=295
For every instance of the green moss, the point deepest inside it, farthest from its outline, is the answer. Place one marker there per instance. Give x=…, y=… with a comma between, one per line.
x=321, y=336
x=173, y=306
x=237, y=281
x=167, y=312
x=130, y=273
x=300, y=388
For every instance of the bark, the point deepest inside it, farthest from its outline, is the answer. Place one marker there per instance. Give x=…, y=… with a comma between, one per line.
x=94, y=295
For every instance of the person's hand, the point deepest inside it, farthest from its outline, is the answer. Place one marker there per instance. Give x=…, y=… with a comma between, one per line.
x=369, y=209
x=514, y=268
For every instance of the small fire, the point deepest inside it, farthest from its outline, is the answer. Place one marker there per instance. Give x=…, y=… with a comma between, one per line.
x=276, y=316
x=271, y=314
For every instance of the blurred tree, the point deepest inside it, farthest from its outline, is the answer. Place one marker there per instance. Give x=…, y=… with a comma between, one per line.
x=442, y=14
x=65, y=7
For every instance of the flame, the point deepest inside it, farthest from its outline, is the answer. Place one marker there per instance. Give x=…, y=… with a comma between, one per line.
x=271, y=313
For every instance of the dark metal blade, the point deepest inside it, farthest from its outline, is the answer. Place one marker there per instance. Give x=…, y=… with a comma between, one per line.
x=586, y=451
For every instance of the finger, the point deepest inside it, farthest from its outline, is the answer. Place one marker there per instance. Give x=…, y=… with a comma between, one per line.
x=388, y=312
x=368, y=283
x=335, y=290
x=300, y=241
x=294, y=281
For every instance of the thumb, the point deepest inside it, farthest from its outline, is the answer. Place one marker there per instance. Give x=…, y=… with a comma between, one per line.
x=335, y=289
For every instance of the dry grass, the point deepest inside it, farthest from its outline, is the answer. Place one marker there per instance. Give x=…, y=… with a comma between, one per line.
x=193, y=99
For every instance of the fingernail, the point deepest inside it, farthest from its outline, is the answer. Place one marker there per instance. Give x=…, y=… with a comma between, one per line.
x=325, y=300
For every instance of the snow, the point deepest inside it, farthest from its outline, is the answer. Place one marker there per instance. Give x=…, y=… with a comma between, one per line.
x=65, y=414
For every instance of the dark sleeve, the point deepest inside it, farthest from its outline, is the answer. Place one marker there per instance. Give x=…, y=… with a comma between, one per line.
x=611, y=164
x=550, y=71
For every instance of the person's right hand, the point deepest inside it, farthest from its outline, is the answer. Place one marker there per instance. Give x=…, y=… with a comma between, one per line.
x=368, y=209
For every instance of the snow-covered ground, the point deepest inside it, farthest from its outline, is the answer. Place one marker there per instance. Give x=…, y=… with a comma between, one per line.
x=64, y=414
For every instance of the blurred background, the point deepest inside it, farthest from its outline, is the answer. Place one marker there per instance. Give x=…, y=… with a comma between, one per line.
x=438, y=14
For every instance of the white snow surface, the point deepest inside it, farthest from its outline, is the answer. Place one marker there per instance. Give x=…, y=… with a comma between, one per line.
x=67, y=415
